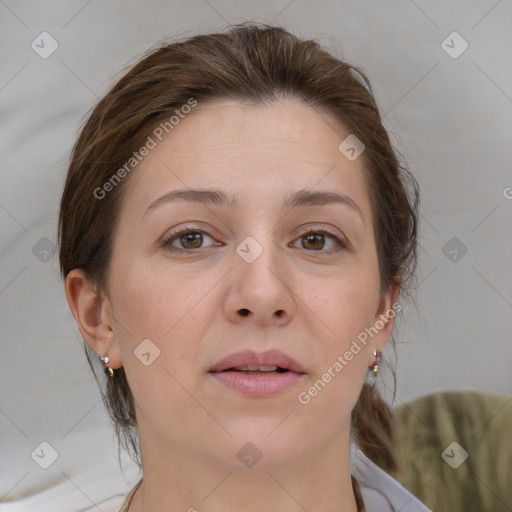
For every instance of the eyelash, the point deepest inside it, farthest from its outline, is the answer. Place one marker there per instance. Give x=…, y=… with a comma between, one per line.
x=167, y=241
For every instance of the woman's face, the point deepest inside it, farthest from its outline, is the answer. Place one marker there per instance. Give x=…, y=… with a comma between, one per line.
x=254, y=273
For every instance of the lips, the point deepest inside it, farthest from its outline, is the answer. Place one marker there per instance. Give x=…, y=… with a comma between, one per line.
x=248, y=360
x=258, y=374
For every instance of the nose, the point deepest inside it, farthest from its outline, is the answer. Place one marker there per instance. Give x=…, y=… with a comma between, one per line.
x=260, y=289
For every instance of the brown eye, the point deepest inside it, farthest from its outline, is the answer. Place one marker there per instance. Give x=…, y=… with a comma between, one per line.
x=187, y=240
x=191, y=240
x=314, y=241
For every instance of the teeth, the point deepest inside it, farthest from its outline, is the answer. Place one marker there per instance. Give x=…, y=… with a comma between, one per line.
x=255, y=368
x=267, y=368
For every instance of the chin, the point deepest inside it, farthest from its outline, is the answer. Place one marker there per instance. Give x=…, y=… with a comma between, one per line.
x=262, y=448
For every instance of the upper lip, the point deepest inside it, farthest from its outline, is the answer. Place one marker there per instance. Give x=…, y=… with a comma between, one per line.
x=249, y=357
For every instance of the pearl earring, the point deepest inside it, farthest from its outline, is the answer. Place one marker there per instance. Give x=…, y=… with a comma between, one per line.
x=375, y=367
x=108, y=370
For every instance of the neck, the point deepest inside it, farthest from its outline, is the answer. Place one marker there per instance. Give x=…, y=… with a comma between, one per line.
x=182, y=480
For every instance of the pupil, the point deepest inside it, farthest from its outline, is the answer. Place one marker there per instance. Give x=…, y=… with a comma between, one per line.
x=191, y=238
x=311, y=238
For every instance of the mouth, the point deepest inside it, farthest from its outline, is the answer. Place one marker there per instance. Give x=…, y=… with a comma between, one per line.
x=258, y=374
x=257, y=370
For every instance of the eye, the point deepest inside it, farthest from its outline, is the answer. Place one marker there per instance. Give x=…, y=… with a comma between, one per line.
x=189, y=239
x=315, y=241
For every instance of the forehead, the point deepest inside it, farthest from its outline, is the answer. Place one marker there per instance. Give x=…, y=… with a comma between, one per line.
x=259, y=151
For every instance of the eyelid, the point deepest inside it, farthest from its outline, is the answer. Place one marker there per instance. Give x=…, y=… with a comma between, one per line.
x=323, y=228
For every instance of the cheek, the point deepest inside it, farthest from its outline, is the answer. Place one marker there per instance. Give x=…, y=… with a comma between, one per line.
x=160, y=317
x=340, y=310
x=344, y=304
x=172, y=309
x=152, y=301
x=342, y=358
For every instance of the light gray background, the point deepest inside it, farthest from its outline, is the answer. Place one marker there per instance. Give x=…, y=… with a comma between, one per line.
x=449, y=117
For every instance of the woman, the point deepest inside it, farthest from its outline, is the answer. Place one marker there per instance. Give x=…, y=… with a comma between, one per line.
x=235, y=231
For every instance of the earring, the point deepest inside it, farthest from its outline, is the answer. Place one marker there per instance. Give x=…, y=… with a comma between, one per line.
x=108, y=370
x=375, y=367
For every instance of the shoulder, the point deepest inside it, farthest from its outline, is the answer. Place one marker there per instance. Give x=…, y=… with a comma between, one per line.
x=380, y=491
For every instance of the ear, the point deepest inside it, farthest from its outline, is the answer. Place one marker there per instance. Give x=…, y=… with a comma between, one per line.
x=93, y=316
x=385, y=316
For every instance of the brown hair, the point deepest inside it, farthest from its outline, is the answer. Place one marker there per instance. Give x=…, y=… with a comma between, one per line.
x=255, y=63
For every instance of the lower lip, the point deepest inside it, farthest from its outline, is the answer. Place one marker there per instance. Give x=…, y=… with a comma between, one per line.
x=258, y=385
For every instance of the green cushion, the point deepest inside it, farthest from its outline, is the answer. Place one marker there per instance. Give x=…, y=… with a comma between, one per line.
x=436, y=471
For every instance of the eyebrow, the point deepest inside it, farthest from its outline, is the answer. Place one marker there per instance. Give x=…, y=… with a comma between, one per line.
x=217, y=197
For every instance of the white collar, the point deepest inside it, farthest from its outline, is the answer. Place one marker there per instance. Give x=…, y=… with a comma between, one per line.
x=380, y=491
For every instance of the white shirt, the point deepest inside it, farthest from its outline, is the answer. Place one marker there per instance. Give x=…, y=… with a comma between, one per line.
x=380, y=491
